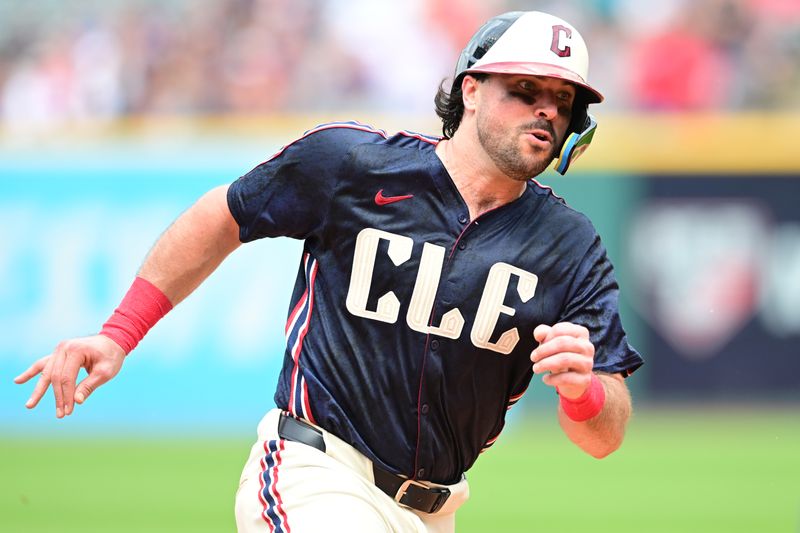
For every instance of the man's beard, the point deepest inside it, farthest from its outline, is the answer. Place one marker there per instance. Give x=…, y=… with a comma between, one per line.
x=505, y=151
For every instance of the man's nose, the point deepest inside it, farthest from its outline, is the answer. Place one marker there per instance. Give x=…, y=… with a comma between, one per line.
x=545, y=105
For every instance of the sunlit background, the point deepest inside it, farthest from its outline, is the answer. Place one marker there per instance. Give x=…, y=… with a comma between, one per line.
x=116, y=115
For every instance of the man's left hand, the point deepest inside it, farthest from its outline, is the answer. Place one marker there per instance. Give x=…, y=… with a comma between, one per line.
x=566, y=352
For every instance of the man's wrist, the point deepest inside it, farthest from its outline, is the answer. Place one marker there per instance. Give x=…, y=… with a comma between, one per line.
x=588, y=405
x=141, y=308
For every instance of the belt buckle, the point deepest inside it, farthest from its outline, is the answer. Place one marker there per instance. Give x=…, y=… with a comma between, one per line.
x=442, y=495
x=404, y=488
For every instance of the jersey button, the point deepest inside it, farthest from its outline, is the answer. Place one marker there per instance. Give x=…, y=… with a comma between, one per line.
x=463, y=219
x=421, y=473
x=462, y=245
x=425, y=409
x=434, y=345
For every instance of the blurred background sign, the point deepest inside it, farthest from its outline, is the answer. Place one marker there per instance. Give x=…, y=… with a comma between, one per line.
x=716, y=275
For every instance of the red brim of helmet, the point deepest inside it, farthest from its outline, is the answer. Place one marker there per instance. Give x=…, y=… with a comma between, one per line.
x=538, y=69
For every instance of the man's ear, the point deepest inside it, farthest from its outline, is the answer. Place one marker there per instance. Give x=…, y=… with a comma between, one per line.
x=469, y=90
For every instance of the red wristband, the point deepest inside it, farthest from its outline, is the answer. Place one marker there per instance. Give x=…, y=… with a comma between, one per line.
x=140, y=309
x=588, y=405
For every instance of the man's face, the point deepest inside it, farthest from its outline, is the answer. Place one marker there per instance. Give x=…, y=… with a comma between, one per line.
x=522, y=120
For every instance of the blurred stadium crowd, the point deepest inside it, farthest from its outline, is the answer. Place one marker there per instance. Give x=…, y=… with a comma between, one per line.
x=65, y=61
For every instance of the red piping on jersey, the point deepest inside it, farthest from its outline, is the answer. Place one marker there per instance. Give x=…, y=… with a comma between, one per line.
x=354, y=126
x=300, y=303
x=492, y=440
x=292, y=384
x=463, y=231
x=298, y=347
x=307, y=404
x=425, y=356
x=488, y=444
x=453, y=249
x=425, y=353
x=360, y=127
x=419, y=397
x=406, y=133
x=514, y=399
x=304, y=398
x=553, y=192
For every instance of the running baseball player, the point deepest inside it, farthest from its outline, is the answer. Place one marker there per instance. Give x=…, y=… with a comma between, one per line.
x=437, y=278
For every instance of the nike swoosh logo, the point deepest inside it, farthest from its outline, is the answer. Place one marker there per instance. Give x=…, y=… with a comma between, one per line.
x=380, y=199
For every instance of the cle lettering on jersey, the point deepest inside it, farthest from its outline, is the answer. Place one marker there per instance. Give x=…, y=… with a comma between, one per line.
x=490, y=308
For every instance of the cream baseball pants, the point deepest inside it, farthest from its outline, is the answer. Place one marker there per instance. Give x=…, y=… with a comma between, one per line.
x=289, y=487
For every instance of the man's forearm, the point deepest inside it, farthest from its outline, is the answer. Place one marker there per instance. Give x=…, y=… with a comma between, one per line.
x=602, y=434
x=192, y=247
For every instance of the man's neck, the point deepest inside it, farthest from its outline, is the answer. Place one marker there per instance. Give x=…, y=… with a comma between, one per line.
x=481, y=184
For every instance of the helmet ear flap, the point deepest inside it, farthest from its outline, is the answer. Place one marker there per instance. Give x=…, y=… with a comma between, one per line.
x=579, y=133
x=575, y=144
x=580, y=112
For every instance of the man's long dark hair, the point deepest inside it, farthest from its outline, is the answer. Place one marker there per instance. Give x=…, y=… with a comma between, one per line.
x=450, y=106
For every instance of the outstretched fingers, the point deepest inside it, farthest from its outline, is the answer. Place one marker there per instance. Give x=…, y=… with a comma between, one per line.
x=32, y=370
x=59, y=370
x=39, y=367
x=68, y=358
x=69, y=376
x=100, y=356
x=56, y=370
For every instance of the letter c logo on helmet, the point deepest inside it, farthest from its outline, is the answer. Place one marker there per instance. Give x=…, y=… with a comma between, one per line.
x=555, y=47
x=533, y=43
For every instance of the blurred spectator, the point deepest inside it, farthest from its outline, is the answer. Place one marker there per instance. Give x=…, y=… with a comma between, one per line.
x=399, y=51
x=89, y=60
x=680, y=67
x=771, y=56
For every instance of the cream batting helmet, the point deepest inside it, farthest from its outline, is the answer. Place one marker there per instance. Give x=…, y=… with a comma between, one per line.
x=533, y=43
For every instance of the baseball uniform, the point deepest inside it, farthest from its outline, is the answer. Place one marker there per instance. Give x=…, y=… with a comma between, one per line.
x=410, y=326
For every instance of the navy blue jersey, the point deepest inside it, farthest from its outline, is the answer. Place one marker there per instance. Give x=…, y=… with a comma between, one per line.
x=410, y=327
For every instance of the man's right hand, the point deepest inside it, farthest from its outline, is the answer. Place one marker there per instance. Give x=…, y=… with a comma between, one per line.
x=100, y=356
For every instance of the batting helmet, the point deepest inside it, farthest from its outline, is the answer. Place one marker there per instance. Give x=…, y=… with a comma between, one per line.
x=537, y=44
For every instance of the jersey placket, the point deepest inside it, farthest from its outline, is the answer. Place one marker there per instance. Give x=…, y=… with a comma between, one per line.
x=438, y=347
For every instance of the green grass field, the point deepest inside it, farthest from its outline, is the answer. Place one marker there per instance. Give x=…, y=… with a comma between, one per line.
x=678, y=471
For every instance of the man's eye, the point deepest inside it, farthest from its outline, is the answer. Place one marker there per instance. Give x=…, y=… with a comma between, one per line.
x=564, y=96
x=526, y=85
x=525, y=96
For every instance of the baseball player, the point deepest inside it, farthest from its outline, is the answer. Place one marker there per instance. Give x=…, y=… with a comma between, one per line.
x=436, y=278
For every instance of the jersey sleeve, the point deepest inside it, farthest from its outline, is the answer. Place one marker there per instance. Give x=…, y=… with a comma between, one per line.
x=594, y=303
x=290, y=194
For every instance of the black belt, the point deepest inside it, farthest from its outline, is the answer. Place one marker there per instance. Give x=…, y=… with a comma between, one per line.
x=404, y=491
